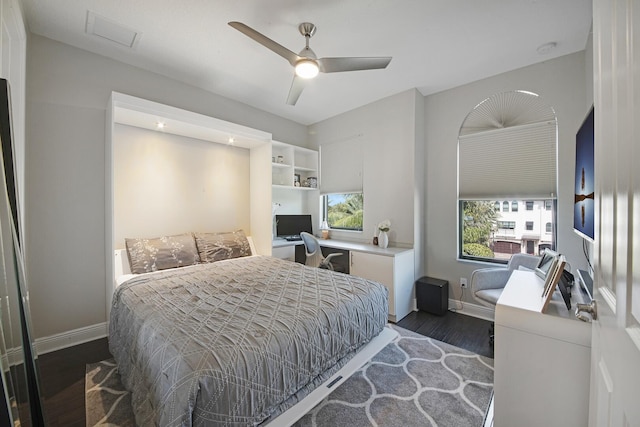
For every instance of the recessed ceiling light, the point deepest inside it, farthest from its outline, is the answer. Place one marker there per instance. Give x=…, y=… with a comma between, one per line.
x=161, y=125
x=231, y=140
x=546, y=48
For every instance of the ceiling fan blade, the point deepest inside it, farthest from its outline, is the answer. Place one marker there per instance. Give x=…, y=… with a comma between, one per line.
x=296, y=89
x=266, y=42
x=335, y=65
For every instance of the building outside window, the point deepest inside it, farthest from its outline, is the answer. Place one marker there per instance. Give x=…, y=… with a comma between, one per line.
x=529, y=205
x=514, y=206
x=501, y=234
x=505, y=206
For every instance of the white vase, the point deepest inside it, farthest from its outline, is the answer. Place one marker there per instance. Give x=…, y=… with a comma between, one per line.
x=383, y=239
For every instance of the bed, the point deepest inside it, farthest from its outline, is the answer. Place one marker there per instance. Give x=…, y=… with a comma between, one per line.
x=251, y=340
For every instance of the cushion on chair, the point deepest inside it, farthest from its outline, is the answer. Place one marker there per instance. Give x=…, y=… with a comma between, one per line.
x=523, y=260
x=489, y=295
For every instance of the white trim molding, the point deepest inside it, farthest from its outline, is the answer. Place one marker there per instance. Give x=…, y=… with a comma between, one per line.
x=70, y=338
x=473, y=310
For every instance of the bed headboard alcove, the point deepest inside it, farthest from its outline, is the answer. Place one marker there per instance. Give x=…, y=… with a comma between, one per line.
x=163, y=183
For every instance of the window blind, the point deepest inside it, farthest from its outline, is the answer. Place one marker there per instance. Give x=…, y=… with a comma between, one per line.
x=341, y=167
x=511, y=163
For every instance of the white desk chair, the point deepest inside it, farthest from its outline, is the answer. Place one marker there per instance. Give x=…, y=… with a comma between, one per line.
x=314, y=252
x=487, y=283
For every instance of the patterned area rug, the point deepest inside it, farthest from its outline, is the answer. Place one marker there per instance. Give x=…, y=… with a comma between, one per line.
x=413, y=381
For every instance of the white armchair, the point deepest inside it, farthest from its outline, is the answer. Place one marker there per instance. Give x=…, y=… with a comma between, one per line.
x=487, y=283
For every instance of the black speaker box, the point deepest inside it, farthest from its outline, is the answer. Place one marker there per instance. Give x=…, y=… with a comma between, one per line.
x=432, y=295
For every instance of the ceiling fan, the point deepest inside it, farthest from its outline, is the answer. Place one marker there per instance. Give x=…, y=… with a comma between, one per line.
x=306, y=63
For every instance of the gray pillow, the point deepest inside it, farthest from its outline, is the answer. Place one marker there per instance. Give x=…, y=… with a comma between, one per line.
x=160, y=253
x=220, y=246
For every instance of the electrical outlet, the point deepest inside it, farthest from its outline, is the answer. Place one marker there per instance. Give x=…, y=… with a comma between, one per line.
x=463, y=282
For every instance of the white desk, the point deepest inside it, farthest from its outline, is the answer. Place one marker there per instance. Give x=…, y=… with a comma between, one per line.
x=281, y=248
x=342, y=244
x=393, y=267
x=542, y=360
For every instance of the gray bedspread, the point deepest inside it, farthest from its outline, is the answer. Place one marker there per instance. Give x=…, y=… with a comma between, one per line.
x=237, y=342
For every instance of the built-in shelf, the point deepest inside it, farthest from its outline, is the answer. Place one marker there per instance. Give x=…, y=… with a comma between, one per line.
x=299, y=168
x=289, y=187
x=291, y=164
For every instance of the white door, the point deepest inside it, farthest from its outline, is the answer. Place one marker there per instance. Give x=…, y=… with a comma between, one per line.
x=615, y=357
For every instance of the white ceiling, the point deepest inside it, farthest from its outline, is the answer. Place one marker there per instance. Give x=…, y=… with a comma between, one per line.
x=435, y=44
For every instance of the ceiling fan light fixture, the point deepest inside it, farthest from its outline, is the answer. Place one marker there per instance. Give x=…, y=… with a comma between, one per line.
x=307, y=68
x=306, y=63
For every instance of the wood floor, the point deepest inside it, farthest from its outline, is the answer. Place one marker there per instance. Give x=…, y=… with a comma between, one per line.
x=62, y=382
x=62, y=372
x=453, y=328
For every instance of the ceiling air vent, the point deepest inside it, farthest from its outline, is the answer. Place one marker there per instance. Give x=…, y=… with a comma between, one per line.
x=110, y=30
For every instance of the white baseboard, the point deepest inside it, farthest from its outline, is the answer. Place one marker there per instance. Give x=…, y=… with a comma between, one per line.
x=12, y=357
x=470, y=309
x=70, y=338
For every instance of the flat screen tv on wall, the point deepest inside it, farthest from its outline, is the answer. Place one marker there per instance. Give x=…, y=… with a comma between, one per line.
x=584, y=204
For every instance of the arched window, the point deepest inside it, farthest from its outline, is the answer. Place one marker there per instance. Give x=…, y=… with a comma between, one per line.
x=507, y=150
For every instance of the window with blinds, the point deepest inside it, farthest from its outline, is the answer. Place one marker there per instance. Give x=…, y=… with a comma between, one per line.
x=341, y=184
x=507, y=156
x=517, y=162
x=341, y=167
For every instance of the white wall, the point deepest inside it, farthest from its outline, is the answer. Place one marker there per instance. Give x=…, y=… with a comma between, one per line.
x=166, y=184
x=560, y=83
x=294, y=202
x=388, y=133
x=67, y=94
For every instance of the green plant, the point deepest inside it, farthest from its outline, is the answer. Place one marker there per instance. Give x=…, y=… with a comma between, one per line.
x=476, y=249
x=345, y=211
x=479, y=221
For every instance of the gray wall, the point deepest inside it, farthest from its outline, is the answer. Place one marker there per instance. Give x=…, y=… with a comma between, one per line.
x=388, y=129
x=67, y=94
x=560, y=83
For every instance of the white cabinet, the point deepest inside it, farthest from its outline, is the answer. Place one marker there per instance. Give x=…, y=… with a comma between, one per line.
x=291, y=163
x=284, y=252
x=395, y=270
x=542, y=360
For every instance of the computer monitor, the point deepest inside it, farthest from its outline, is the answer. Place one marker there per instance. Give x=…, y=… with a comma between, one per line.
x=290, y=226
